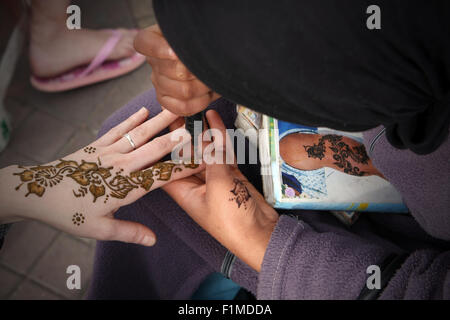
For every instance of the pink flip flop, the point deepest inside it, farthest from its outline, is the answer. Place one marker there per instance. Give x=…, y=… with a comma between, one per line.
x=98, y=70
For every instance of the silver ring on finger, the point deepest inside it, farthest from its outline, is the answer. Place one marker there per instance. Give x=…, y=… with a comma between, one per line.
x=127, y=136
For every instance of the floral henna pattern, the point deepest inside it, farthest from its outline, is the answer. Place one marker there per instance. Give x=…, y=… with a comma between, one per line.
x=341, y=153
x=240, y=193
x=94, y=179
x=316, y=150
x=78, y=219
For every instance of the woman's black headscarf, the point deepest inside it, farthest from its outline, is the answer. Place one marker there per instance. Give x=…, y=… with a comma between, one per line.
x=315, y=62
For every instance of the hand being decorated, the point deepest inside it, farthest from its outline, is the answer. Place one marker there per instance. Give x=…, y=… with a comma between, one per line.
x=226, y=204
x=80, y=193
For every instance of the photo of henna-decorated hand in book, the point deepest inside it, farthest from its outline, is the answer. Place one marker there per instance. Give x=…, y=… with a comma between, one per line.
x=319, y=168
x=310, y=151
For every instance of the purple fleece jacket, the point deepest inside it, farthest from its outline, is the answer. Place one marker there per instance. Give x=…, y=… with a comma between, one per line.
x=311, y=255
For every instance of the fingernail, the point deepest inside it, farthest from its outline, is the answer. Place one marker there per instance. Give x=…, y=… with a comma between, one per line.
x=171, y=52
x=142, y=109
x=149, y=241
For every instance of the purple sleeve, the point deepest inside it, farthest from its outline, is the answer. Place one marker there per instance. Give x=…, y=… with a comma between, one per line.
x=301, y=263
x=422, y=180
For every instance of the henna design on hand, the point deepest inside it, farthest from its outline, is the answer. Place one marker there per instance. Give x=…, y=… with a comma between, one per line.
x=341, y=153
x=78, y=219
x=90, y=150
x=240, y=192
x=95, y=179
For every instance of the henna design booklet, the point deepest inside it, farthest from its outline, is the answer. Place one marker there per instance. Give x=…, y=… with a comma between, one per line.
x=318, y=169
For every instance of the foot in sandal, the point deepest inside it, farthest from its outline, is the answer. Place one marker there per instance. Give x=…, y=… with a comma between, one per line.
x=63, y=59
x=52, y=55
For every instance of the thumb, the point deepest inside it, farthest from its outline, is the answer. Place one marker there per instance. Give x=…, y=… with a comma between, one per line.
x=128, y=231
x=151, y=43
x=219, y=155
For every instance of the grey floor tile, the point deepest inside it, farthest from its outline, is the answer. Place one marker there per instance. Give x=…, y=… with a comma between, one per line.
x=18, y=111
x=74, y=107
x=126, y=88
x=41, y=136
x=65, y=251
x=77, y=107
x=9, y=157
x=83, y=136
x=90, y=106
x=32, y=291
x=88, y=241
x=105, y=14
x=139, y=82
x=24, y=243
x=141, y=8
x=20, y=86
x=146, y=21
x=8, y=281
x=8, y=23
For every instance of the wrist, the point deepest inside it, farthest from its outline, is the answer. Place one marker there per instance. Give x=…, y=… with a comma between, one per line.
x=12, y=210
x=253, y=245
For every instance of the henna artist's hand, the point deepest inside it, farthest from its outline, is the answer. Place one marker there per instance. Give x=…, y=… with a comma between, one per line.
x=177, y=89
x=226, y=205
x=80, y=193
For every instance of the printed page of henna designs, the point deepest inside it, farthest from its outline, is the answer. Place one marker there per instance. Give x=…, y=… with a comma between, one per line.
x=342, y=153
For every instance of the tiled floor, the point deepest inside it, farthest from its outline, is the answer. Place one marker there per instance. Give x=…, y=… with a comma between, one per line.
x=35, y=256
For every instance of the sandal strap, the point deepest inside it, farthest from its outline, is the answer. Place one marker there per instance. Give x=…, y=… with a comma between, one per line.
x=103, y=53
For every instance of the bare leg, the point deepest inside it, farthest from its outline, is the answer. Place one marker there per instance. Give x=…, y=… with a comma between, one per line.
x=55, y=49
